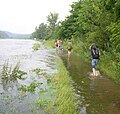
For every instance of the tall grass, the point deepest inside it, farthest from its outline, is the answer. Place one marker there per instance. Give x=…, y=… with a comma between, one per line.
x=110, y=66
x=65, y=98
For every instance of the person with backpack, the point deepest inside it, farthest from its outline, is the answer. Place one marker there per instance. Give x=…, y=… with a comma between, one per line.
x=69, y=47
x=94, y=52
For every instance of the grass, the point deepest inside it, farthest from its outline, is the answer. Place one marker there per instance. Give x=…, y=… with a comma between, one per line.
x=49, y=43
x=108, y=66
x=65, y=101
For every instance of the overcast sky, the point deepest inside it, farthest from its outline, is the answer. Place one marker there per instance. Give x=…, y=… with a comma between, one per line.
x=22, y=16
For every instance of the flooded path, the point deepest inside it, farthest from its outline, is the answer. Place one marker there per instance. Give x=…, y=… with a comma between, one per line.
x=37, y=65
x=95, y=96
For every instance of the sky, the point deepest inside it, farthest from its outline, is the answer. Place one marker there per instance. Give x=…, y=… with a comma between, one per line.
x=22, y=16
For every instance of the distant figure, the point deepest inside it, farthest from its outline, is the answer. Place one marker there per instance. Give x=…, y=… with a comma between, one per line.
x=58, y=41
x=69, y=47
x=58, y=49
x=94, y=52
x=56, y=44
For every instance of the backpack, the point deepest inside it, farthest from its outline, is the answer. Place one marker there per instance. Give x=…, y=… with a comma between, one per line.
x=56, y=44
x=95, y=53
x=69, y=45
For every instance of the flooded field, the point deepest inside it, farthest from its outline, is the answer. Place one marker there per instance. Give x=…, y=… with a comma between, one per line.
x=95, y=96
x=19, y=95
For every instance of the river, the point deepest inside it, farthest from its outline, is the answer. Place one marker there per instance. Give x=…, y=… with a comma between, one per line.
x=13, y=51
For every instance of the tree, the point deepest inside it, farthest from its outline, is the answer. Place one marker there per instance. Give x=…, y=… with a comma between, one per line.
x=52, y=19
x=40, y=32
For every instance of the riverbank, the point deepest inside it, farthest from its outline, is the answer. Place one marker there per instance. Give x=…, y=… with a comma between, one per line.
x=65, y=100
x=65, y=96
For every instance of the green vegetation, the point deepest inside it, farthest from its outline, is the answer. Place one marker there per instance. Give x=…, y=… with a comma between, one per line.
x=49, y=43
x=30, y=88
x=12, y=73
x=46, y=31
x=95, y=21
x=59, y=98
x=65, y=97
x=36, y=46
x=37, y=70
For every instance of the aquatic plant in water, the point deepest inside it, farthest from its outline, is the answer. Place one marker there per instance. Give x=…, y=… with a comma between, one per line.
x=30, y=88
x=12, y=74
x=36, y=46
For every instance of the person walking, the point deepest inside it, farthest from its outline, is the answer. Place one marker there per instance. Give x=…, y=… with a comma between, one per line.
x=69, y=48
x=56, y=44
x=94, y=52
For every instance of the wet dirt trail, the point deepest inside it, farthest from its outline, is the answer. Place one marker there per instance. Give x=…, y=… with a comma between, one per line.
x=95, y=96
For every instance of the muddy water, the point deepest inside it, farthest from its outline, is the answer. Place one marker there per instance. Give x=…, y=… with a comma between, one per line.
x=12, y=51
x=95, y=96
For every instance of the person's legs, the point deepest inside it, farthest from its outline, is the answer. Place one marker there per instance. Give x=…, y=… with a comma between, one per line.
x=94, y=71
x=69, y=53
x=94, y=64
x=93, y=67
x=56, y=49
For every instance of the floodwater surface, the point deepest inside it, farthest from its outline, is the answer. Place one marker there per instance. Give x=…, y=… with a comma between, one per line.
x=35, y=64
x=98, y=95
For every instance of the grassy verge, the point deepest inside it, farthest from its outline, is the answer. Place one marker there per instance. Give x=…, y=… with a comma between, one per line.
x=110, y=67
x=49, y=43
x=65, y=99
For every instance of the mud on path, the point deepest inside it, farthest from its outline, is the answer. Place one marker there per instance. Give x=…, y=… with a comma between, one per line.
x=23, y=95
